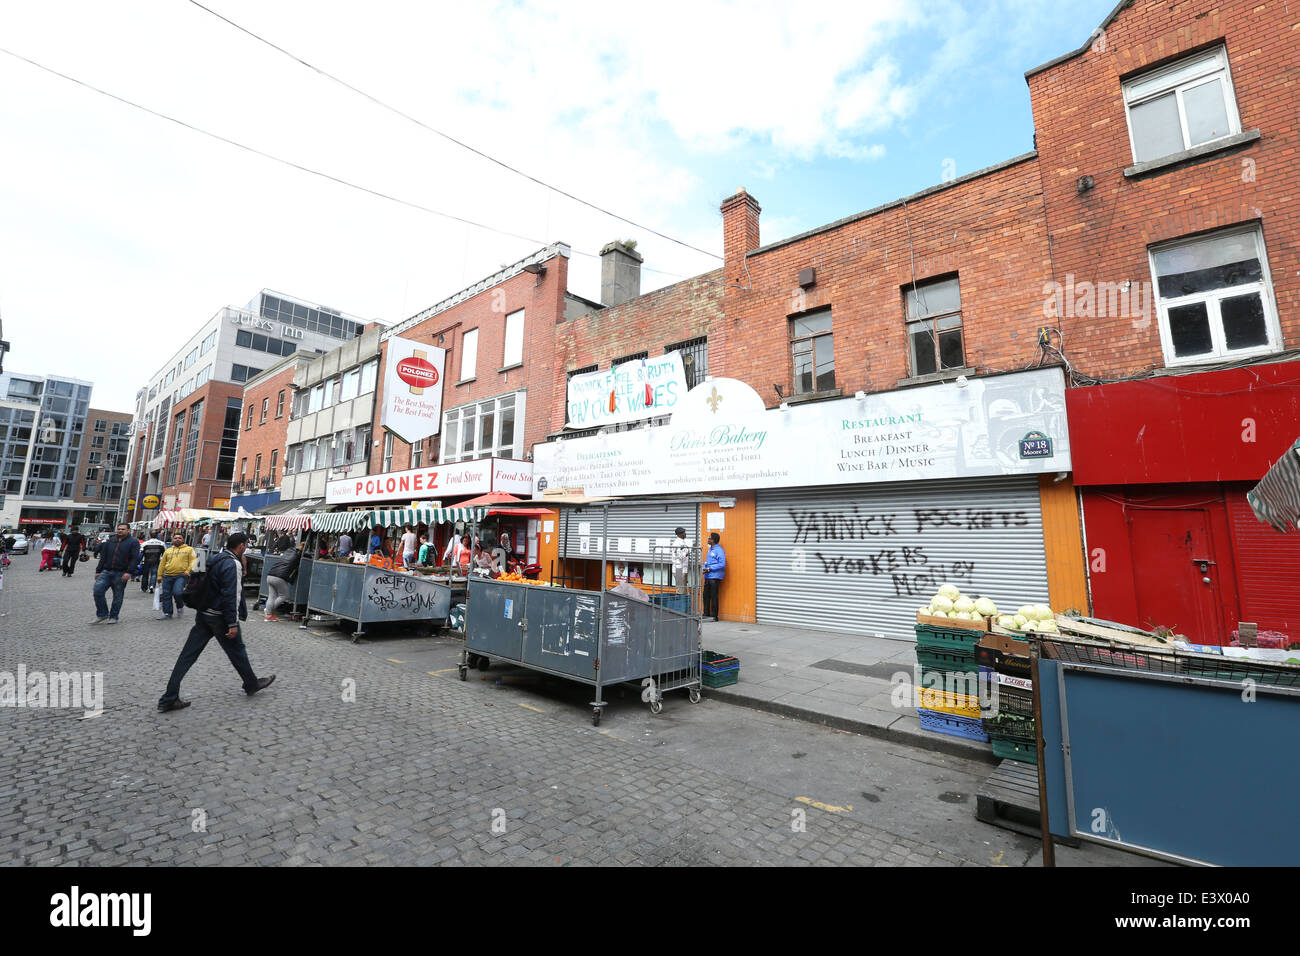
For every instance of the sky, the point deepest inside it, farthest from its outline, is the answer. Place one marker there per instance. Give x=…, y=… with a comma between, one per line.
x=121, y=232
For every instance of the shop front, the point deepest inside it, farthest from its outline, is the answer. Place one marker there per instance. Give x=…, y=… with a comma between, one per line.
x=1164, y=466
x=847, y=515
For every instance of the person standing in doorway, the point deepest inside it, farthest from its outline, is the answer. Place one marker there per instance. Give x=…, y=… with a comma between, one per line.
x=73, y=546
x=152, y=552
x=715, y=568
x=178, y=563
x=222, y=608
x=117, y=560
x=681, y=559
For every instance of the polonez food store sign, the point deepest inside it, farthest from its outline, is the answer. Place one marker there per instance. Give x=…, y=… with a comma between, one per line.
x=465, y=478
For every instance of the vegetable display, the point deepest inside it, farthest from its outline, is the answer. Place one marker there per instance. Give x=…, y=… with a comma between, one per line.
x=949, y=602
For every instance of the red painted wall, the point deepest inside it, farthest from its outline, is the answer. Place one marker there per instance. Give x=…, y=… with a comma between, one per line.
x=1216, y=426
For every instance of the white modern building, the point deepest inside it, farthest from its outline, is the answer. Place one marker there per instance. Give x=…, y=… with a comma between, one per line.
x=225, y=351
x=42, y=418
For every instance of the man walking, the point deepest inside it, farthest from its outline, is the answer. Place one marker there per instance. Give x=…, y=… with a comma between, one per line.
x=73, y=545
x=219, y=614
x=178, y=563
x=277, y=582
x=715, y=568
x=117, y=559
x=152, y=552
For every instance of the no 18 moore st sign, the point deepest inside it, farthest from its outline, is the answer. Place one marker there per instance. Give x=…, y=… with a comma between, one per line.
x=726, y=441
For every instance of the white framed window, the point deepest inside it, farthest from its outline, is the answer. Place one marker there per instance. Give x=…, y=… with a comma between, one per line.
x=317, y=401
x=494, y=427
x=1181, y=105
x=351, y=380
x=369, y=374
x=1215, y=297
x=514, y=354
x=388, y=452
x=417, y=454
x=191, y=358
x=934, y=325
x=468, y=354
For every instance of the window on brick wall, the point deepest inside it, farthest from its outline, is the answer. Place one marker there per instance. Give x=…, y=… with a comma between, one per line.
x=250, y=417
x=275, y=460
x=695, y=358
x=257, y=470
x=514, y=350
x=812, y=352
x=1215, y=298
x=266, y=407
x=934, y=325
x=635, y=357
x=1181, y=105
x=388, y=452
x=279, y=405
x=468, y=355
x=417, y=454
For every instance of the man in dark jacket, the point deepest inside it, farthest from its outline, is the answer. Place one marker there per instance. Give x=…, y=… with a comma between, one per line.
x=151, y=552
x=117, y=560
x=283, y=543
x=277, y=582
x=219, y=614
x=73, y=545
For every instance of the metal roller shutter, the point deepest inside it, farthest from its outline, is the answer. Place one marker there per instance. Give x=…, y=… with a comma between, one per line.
x=628, y=525
x=864, y=558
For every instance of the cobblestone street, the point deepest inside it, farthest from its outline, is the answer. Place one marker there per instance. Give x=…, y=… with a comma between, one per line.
x=416, y=771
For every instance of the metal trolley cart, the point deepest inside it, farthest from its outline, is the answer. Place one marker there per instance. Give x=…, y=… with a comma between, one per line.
x=592, y=637
x=367, y=594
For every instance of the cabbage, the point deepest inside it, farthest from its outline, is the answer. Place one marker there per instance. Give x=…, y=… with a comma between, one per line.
x=1047, y=626
x=1043, y=613
x=1020, y=620
x=1026, y=611
x=938, y=613
x=1029, y=625
x=1007, y=621
x=924, y=611
x=986, y=607
x=941, y=603
x=949, y=591
x=964, y=604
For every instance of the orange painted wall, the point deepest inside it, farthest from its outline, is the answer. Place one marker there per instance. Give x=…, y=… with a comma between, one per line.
x=738, y=596
x=1067, y=574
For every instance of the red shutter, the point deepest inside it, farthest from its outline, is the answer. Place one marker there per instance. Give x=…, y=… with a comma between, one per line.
x=1268, y=568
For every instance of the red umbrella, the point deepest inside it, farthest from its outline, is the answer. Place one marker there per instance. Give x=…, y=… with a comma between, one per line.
x=491, y=498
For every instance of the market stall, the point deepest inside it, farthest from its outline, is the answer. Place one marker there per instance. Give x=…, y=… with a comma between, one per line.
x=370, y=589
x=598, y=638
x=295, y=526
x=195, y=522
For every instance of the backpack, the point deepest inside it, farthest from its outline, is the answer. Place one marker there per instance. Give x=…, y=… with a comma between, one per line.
x=197, y=593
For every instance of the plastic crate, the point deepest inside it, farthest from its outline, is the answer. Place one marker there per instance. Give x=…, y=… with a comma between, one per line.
x=1011, y=748
x=1011, y=702
x=942, y=639
x=945, y=660
x=945, y=701
x=719, y=670
x=951, y=725
x=681, y=603
x=1011, y=726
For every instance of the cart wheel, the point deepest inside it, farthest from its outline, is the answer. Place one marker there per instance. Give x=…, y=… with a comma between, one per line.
x=656, y=706
x=464, y=671
x=483, y=663
x=695, y=695
x=595, y=716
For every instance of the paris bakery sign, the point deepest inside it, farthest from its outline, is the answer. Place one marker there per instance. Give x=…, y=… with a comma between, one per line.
x=721, y=437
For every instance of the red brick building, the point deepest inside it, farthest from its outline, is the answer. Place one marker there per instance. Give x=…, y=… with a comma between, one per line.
x=263, y=426
x=1167, y=146
x=200, y=448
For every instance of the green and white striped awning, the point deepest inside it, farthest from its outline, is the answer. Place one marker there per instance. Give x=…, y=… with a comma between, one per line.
x=430, y=516
x=334, y=522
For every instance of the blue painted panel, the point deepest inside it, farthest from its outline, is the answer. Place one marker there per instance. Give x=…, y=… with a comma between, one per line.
x=1053, y=764
x=1185, y=769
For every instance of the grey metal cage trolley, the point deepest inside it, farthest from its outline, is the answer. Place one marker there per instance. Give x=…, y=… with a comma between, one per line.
x=595, y=638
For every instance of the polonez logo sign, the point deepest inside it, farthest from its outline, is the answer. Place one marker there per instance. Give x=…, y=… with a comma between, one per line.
x=417, y=372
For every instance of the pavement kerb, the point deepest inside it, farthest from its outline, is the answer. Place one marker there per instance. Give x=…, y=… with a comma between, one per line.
x=952, y=746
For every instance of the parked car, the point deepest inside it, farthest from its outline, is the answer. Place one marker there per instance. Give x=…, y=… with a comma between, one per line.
x=20, y=544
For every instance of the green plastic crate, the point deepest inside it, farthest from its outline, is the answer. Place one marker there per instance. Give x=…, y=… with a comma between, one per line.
x=1012, y=726
x=1009, y=748
x=720, y=679
x=956, y=640
x=945, y=660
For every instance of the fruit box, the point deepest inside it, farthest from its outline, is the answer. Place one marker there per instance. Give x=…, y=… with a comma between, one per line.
x=954, y=623
x=1006, y=643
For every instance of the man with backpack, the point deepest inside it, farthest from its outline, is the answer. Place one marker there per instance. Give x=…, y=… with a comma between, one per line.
x=220, y=607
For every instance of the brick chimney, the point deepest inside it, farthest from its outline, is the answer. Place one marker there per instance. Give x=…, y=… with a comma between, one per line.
x=620, y=273
x=739, y=233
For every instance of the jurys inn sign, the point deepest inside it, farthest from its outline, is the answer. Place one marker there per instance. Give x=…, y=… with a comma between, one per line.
x=264, y=325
